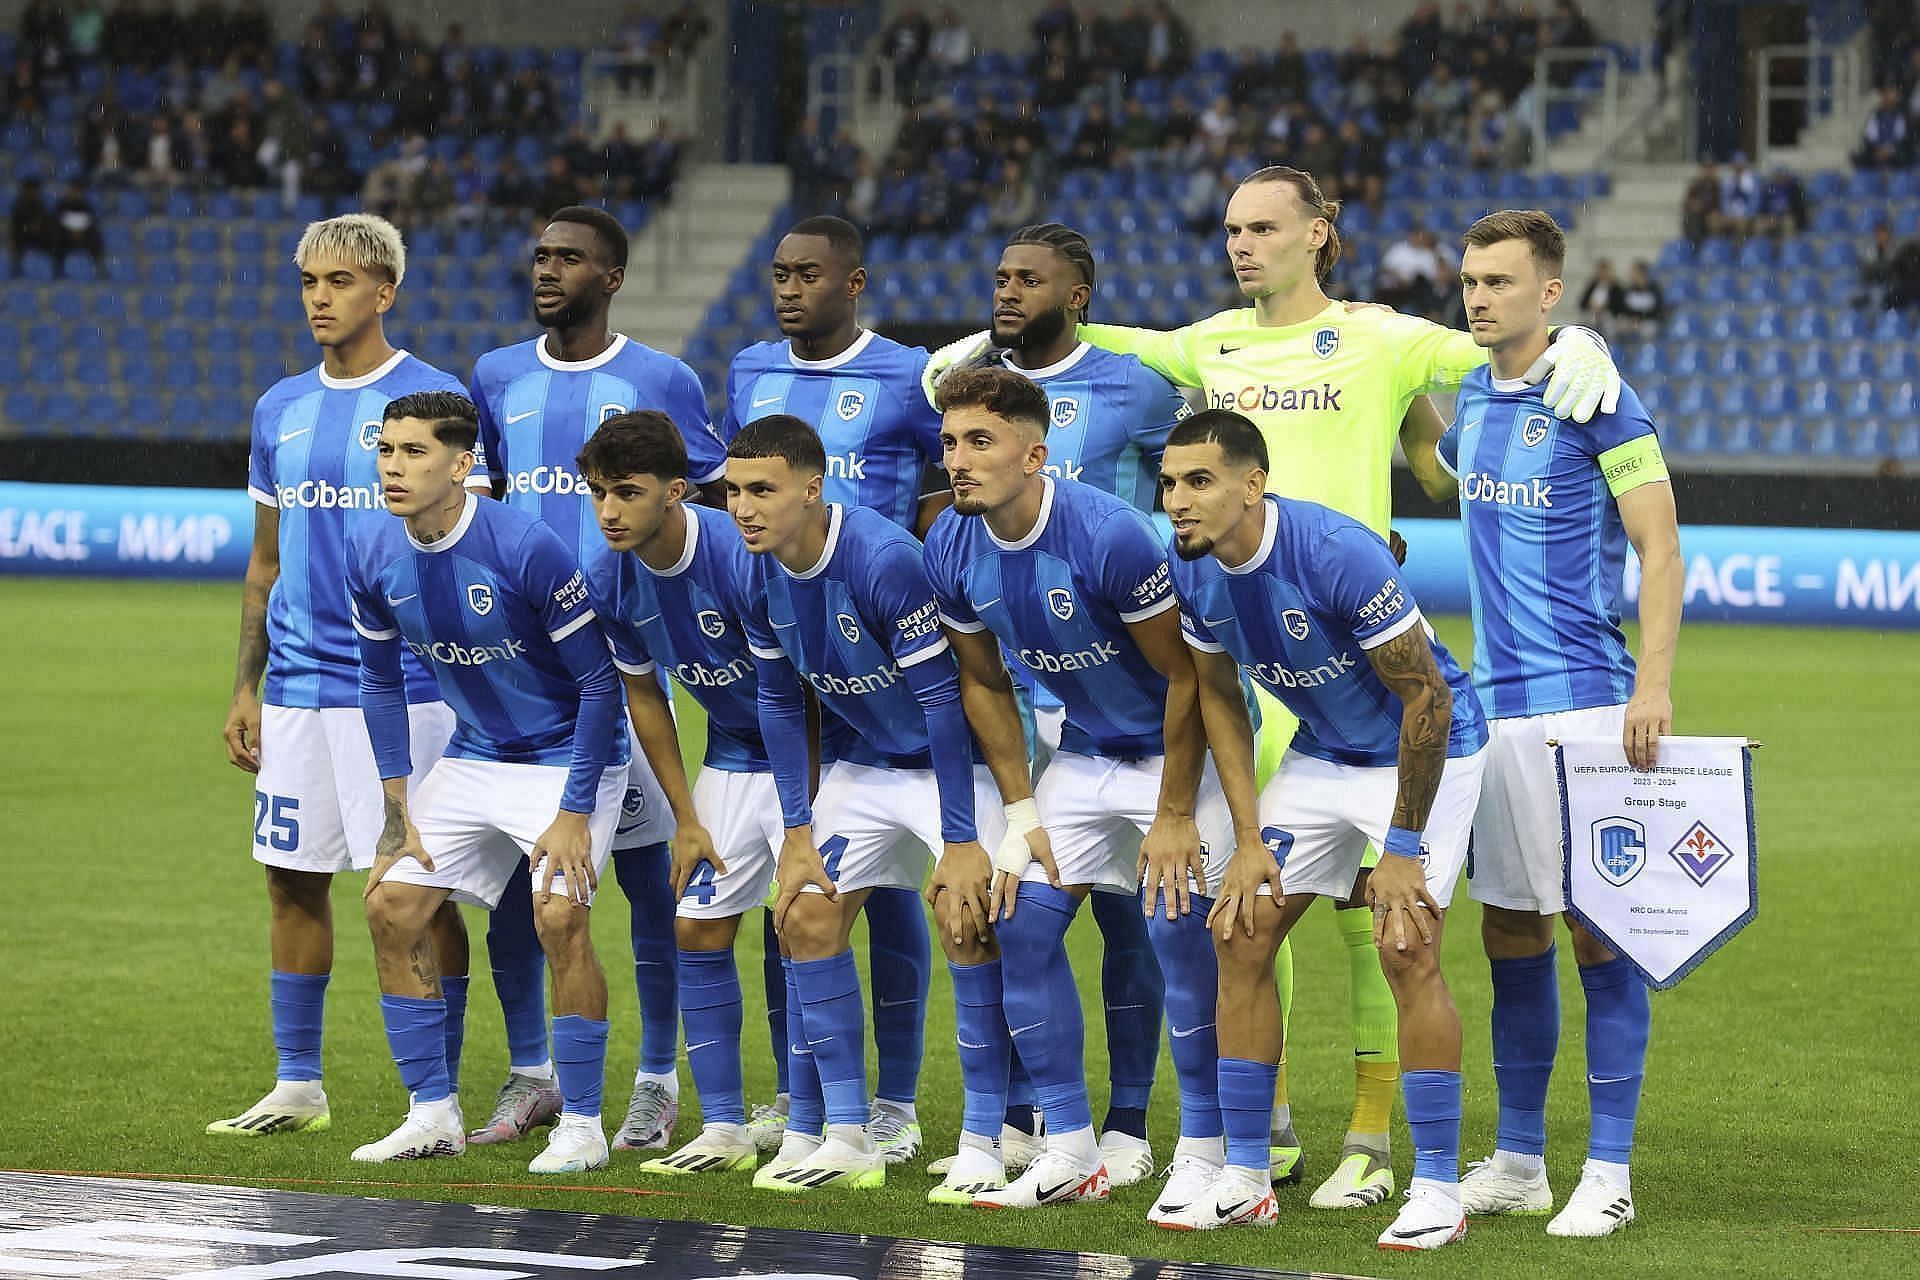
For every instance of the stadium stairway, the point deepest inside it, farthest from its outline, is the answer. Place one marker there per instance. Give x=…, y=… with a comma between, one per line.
x=1634, y=220
x=681, y=264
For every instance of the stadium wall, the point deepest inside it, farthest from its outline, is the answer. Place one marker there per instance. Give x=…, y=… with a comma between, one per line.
x=1827, y=577
x=581, y=22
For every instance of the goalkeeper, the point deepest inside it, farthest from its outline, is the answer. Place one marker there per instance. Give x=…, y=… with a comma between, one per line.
x=1331, y=387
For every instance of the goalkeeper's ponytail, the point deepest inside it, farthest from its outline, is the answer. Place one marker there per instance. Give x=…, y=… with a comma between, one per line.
x=1317, y=204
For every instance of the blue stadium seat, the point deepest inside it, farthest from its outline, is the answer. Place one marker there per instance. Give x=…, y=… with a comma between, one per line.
x=1905, y=444
x=1784, y=439
x=1837, y=255
x=80, y=268
x=1891, y=326
x=1865, y=401
x=1735, y=399
x=1866, y=440
x=1773, y=361
x=1900, y=361
x=1856, y=361
x=1820, y=396
x=1778, y=398
x=1733, y=361
x=1683, y=326
x=1798, y=252
x=59, y=410
x=1693, y=435
x=1849, y=326
x=1809, y=326
x=1716, y=252
x=1757, y=252
x=36, y=266
x=1737, y=435
x=1727, y=326
x=22, y=407
x=1903, y=402
x=1685, y=358
x=1769, y=325
x=1692, y=398
x=1826, y=437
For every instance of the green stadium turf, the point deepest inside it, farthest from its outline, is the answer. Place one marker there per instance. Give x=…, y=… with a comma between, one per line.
x=1776, y=1135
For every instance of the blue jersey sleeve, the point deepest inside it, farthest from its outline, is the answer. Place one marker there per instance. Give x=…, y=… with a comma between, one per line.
x=686, y=404
x=383, y=693
x=490, y=451
x=949, y=591
x=606, y=589
x=1154, y=409
x=1192, y=625
x=260, y=486
x=739, y=373
x=1359, y=582
x=1130, y=567
x=921, y=416
x=900, y=597
x=1448, y=449
x=556, y=588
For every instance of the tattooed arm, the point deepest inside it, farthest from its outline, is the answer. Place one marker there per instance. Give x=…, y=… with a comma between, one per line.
x=398, y=839
x=1397, y=888
x=242, y=730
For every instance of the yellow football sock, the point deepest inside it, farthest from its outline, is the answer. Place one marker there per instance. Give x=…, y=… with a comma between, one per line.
x=1376, y=1041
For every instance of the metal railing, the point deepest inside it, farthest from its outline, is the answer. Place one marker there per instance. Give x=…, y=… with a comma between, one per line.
x=1546, y=94
x=617, y=87
x=1830, y=81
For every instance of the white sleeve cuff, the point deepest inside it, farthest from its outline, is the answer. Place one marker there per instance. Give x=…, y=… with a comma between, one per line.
x=262, y=497
x=964, y=628
x=1153, y=610
x=371, y=634
x=1204, y=646
x=633, y=668
x=1405, y=624
x=571, y=627
x=768, y=654
x=919, y=656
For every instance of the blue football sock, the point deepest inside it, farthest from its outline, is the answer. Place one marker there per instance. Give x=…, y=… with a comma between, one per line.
x=1043, y=1005
x=1433, y=1120
x=1246, y=1107
x=1185, y=948
x=580, y=1062
x=773, y=973
x=417, y=1034
x=835, y=1019
x=901, y=956
x=710, y=1005
x=1020, y=1100
x=455, y=992
x=980, y=1028
x=1133, y=992
x=806, y=1106
x=519, y=967
x=1619, y=1021
x=298, y=1003
x=1526, y=1036
x=644, y=878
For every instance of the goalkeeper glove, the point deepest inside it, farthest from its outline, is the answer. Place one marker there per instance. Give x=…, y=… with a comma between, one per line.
x=974, y=349
x=1584, y=380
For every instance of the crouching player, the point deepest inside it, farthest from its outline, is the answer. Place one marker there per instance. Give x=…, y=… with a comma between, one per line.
x=1390, y=748
x=492, y=601
x=1073, y=582
x=677, y=602
x=844, y=604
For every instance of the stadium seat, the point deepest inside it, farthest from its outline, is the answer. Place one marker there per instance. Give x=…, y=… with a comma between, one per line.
x=1773, y=361
x=1866, y=440
x=1905, y=442
x=1778, y=398
x=1864, y=401
x=1900, y=361
x=1784, y=439
x=1733, y=360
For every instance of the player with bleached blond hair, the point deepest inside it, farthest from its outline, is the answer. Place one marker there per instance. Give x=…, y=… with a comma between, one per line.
x=313, y=476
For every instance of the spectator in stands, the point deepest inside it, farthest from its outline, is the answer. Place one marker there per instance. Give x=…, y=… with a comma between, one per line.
x=106, y=141
x=1739, y=198
x=659, y=162
x=510, y=193
x=1012, y=202
x=950, y=47
x=85, y=21
x=1179, y=133
x=21, y=94
x=1289, y=75
x=1640, y=306
x=470, y=191
x=639, y=47
x=44, y=39
x=905, y=43
x=1361, y=157
x=1890, y=31
x=31, y=226
x=1886, y=142
x=1783, y=204
x=420, y=101
x=863, y=189
x=327, y=169
x=1411, y=274
x=1701, y=203
x=235, y=156
x=392, y=186
x=1440, y=105
x=1056, y=19
x=1137, y=140
x=1124, y=38
x=558, y=187
x=1317, y=152
x=1092, y=146
x=1597, y=300
x=1062, y=75
x=1206, y=190
x=1250, y=80
x=164, y=158
x=1216, y=122
x=1169, y=43
x=1876, y=269
x=894, y=211
x=1496, y=139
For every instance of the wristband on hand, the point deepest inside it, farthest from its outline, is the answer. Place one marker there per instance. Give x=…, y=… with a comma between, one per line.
x=1013, y=853
x=1401, y=842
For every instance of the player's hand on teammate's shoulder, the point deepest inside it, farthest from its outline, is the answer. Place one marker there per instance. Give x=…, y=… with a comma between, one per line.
x=799, y=866
x=1251, y=866
x=975, y=348
x=1584, y=378
x=1169, y=854
x=961, y=890
x=692, y=844
x=1649, y=718
x=1397, y=890
x=242, y=731
x=1353, y=306
x=565, y=851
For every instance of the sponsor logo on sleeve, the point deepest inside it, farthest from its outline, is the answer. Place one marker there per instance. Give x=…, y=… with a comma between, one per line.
x=922, y=622
x=573, y=592
x=1388, y=601
x=1155, y=587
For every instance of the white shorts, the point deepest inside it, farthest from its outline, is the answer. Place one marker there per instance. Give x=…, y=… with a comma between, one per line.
x=1317, y=818
x=741, y=812
x=479, y=819
x=878, y=828
x=1096, y=810
x=1517, y=861
x=317, y=802
x=644, y=816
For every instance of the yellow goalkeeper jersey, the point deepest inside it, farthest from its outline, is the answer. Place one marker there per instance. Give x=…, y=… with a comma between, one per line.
x=1328, y=393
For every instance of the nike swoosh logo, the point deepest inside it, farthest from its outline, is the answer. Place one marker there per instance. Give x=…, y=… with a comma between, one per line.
x=1608, y=1079
x=1020, y=1031
x=288, y=435
x=1226, y=350
x=704, y=1044
x=1178, y=1034
x=517, y=417
x=1231, y=1210
x=987, y=604
x=1217, y=622
x=395, y=604
x=761, y=404
x=885, y=1003
x=1425, y=1231
x=1116, y=1008
x=1366, y=1053
x=1048, y=1193
x=641, y=622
